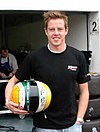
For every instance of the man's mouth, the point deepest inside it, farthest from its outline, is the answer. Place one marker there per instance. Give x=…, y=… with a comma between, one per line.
x=56, y=38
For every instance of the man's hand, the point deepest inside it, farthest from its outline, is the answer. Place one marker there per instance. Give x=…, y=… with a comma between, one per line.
x=11, y=74
x=15, y=108
x=3, y=75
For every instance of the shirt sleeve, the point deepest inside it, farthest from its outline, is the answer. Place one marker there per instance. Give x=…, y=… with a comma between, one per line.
x=13, y=62
x=83, y=74
x=24, y=72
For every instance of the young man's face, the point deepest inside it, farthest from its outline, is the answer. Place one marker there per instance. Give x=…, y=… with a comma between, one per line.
x=56, y=32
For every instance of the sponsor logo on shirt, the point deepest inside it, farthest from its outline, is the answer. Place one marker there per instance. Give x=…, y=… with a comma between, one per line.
x=72, y=68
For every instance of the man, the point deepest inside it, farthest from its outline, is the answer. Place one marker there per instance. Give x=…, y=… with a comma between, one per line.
x=8, y=67
x=8, y=64
x=60, y=67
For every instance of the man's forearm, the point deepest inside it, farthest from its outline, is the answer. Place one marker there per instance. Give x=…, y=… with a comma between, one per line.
x=83, y=101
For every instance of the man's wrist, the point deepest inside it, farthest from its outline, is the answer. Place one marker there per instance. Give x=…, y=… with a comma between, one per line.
x=7, y=101
x=13, y=73
x=80, y=120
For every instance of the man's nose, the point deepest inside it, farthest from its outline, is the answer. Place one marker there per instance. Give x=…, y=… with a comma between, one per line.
x=56, y=31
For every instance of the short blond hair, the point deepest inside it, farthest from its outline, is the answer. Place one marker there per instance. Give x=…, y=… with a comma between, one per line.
x=54, y=15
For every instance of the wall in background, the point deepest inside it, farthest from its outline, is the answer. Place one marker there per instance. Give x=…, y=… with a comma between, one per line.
x=32, y=35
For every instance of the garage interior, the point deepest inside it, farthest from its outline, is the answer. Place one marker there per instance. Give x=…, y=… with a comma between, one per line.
x=22, y=31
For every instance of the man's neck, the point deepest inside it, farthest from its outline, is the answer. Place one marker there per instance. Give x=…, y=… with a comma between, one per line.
x=57, y=49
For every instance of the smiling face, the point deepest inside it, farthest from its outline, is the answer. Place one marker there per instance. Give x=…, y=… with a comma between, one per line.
x=56, y=32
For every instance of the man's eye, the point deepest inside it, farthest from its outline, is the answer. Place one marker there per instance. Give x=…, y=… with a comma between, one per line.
x=51, y=29
x=59, y=29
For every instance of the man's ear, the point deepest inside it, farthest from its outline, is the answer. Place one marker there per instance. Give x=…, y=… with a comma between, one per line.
x=66, y=31
x=45, y=30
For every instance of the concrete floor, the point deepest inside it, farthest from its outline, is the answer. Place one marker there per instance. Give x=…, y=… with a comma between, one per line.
x=22, y=125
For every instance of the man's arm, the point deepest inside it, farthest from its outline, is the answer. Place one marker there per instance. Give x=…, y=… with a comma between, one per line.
x=12, y=73
x=83, y=101
x=10, y=105
x=9, y=87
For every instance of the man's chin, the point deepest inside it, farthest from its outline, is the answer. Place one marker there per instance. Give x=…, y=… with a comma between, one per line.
x=56, y=44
